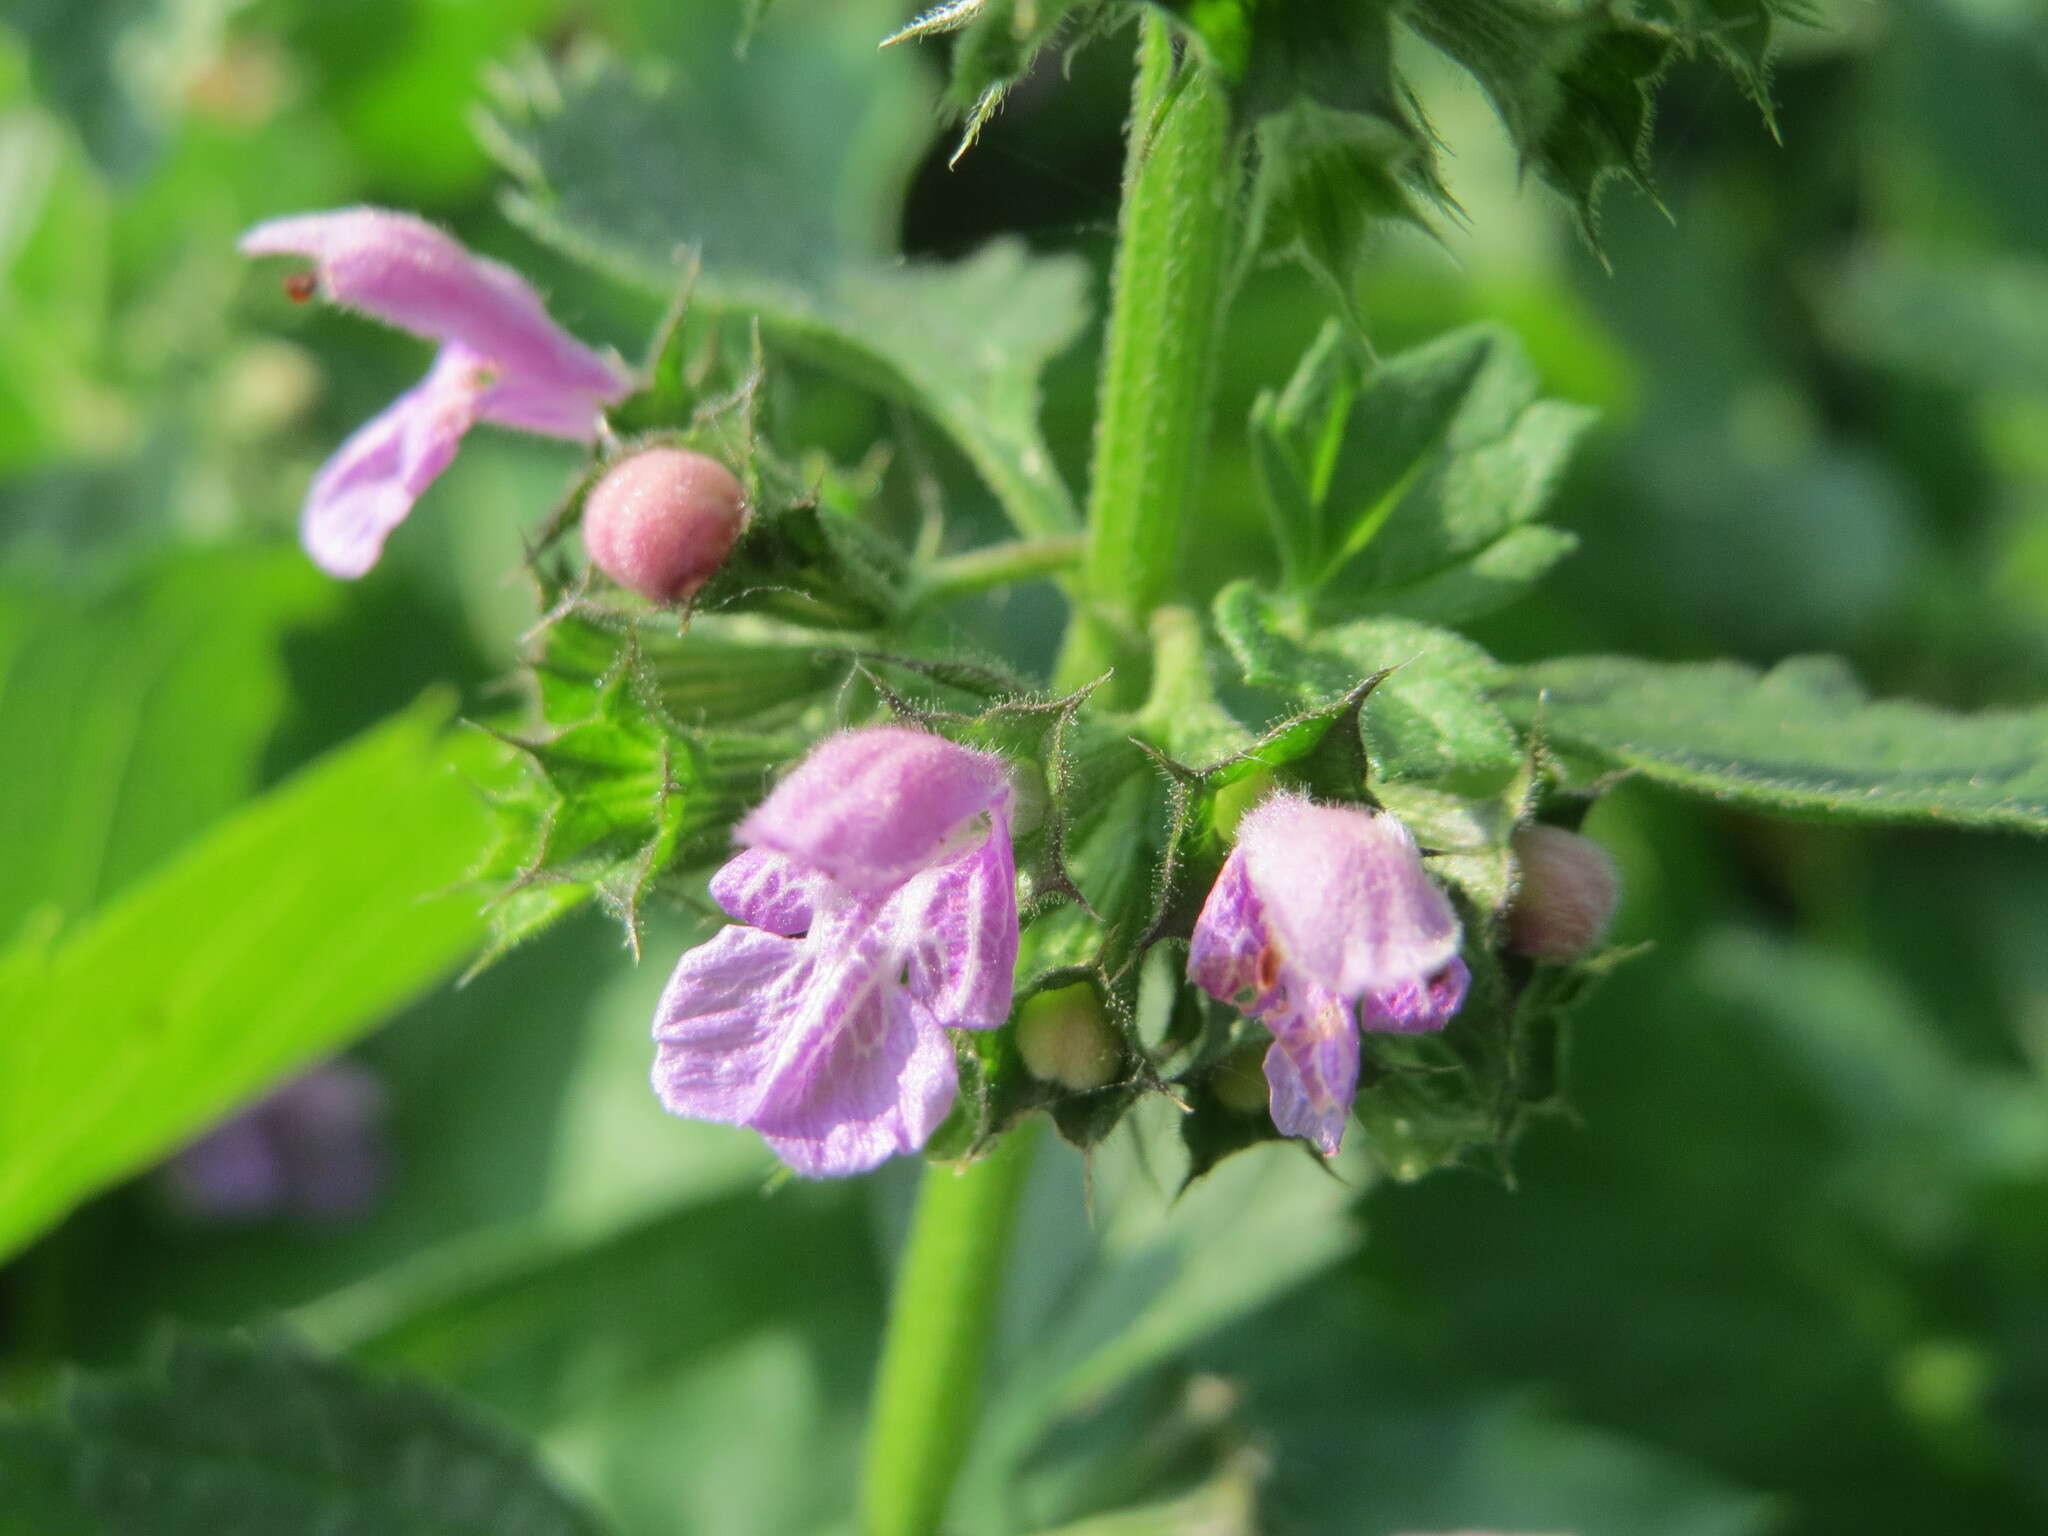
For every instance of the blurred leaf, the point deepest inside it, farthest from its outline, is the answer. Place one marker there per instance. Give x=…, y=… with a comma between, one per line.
x=1223, y=1508
x=55, y=285
x=129, y=723
x=1966, y=323
x=1803, y=739
x=224, y=1436
x=1096, y=1306
x=758, y=188
x=734, y=1334
x=295, y=925
x=114, y=67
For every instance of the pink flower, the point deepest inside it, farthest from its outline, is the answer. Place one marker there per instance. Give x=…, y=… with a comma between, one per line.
x=1323, y=923
x=502, y=360
x=877, y=909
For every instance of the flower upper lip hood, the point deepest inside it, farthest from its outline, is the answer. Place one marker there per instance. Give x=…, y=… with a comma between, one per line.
x=898, y=799
x=1323, y=922
x=502, y=360
x=417, y=277
x=1345, y=895
x=876, y=908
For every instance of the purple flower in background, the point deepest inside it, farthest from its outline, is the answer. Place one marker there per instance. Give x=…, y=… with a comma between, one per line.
x=1323, y=923
x=501, y=360
x=877, y=908
x=313, y=1148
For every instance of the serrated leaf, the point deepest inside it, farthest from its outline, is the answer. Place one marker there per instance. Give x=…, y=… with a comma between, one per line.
x=618, y=793
x=1801, y=740
x=1431, y=720
x=1413, y=486
x=295, y=925
x=1342, y=145
x=223, y=1435
x=964, y=342
x=1571, y=82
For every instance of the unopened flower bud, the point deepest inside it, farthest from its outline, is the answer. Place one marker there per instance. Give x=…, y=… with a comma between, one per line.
x=1064, y=1039
x=1239, y=1081
x=1566, y=897
x=661, y=522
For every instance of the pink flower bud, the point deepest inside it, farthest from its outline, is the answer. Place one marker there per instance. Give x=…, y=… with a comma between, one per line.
x=1566, y=897
x=662, y=522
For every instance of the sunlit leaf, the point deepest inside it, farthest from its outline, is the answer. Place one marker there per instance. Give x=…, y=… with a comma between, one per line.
x=1801, y=740
x=293, y=926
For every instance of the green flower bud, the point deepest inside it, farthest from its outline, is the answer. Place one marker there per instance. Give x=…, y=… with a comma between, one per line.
x=1239, y=1081
x=1065, y=1039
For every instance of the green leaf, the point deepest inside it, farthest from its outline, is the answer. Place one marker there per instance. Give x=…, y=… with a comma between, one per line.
x=114, y=68
x=1342, y=145
x=1571, y=82
x=1431, y=720
x=735, y=1332
x=225, y=1435
x=1092, y=1312
x=1802, y=740
x=130, y=722
x=760, y=166
x=1413, y=486
x=1964, y=323
x=292, y=927
x=622, y=789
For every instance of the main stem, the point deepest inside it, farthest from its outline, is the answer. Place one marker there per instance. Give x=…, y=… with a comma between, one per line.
x=1153, y=402
x=928, y=1385
x=1158, y=369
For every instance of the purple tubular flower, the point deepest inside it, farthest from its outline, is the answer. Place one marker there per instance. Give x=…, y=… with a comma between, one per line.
x=876, y=908
x=1323, y=923
x=502, y=360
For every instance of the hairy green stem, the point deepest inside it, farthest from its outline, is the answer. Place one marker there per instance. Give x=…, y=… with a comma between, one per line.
x=1158, y=367
x=997, y=565
x=928, y=1385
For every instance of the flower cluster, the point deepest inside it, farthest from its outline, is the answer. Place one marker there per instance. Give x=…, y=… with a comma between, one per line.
x=875, y=909
x=873, y=896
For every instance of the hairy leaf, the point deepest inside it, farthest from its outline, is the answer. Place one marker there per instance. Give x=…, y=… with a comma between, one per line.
x=751, y=187
x=648, y=747
x=1412, y=486
x=221, y=1435
x=1431, y=720
x=1571, y=81
x=1801, y=740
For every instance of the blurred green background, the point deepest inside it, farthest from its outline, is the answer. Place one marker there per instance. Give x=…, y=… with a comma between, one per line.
x=1787, y=1269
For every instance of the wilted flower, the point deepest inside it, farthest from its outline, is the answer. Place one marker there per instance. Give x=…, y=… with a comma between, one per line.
x=662, y=521
x=313, y=1148
x=1565, y=896
x=501, y=360
x=877, y=908
x=1322, y=923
